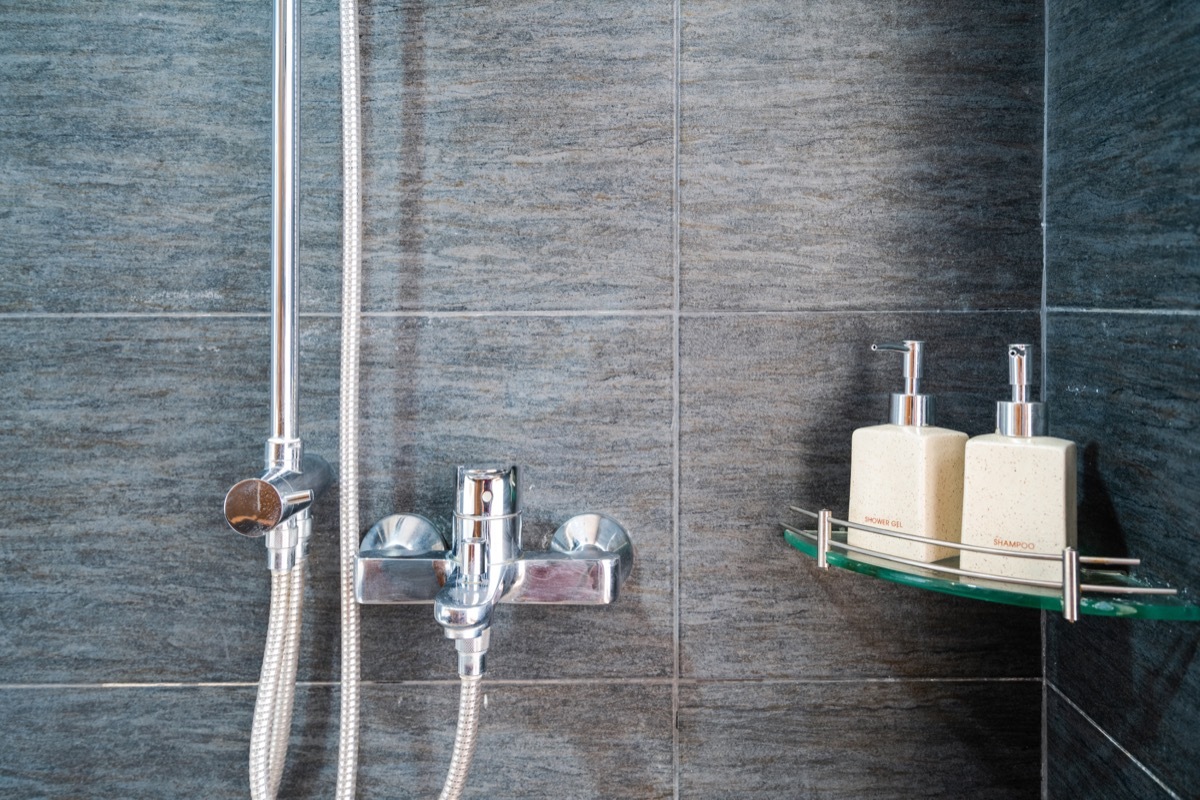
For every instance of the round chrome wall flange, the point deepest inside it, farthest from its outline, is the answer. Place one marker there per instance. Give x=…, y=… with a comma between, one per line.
x=404, y=534
x=597, y=531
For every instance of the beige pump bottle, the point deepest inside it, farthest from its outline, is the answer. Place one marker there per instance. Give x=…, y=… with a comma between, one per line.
x=1019, y=487
x=907, y=475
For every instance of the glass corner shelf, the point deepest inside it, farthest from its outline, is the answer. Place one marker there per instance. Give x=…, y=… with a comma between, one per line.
x=1095, y=592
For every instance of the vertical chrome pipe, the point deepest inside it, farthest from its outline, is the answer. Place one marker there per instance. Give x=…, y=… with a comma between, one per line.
x=283, y=448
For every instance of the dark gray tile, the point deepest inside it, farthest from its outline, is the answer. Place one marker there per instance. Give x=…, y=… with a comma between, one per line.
x=116, y=438
x=578, y=741
x=519, y=156
x=768, y=407
x=1122, y=154
x=127, y=743
x=121, y=436
x=584, y=405
x=861, y=155
x=137, y=157
x=1086, y=763
x=860, y=740
x=1123, y=387
x=193, y=742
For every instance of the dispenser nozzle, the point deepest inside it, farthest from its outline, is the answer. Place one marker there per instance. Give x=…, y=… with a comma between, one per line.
x=1020, y=416
x=1019, y=356
x=909, y=407
x=913, y=361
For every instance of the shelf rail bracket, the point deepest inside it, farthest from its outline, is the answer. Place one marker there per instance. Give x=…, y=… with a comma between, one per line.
x=824, y=534
x=1070, y=584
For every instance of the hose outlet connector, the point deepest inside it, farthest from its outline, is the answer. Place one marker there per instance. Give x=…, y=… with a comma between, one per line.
x=472, y=654
x=255, y=506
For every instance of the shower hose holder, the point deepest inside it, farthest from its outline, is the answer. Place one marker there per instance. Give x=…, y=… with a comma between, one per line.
x=405, y=559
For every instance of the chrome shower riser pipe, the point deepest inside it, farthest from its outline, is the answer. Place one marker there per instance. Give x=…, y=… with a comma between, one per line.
x=283, y=448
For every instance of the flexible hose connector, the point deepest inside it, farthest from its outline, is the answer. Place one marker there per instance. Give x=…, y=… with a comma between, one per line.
x=285, y=694
x=264, y=745
x=470, y=702
x=348, y=423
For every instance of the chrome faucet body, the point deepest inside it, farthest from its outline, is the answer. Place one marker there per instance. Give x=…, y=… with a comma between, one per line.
x=404, y=559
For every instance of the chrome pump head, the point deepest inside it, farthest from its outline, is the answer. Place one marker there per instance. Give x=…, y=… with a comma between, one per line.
x=909, y=407
x=1020, y=416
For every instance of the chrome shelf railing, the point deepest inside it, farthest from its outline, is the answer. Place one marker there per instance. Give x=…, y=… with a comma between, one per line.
x=1094, y=585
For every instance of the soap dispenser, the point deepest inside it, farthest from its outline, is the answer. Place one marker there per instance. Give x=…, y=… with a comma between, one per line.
x=907, y=475
x=1019, y=486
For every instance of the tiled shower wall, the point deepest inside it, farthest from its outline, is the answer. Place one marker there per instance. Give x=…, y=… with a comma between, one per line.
x=1123, y=284
x=639, y=248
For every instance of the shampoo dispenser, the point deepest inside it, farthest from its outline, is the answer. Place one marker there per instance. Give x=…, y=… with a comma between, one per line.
x=1019, y=486
x=907, y=475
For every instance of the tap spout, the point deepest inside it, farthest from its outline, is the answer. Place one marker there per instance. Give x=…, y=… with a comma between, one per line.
x=464, y=607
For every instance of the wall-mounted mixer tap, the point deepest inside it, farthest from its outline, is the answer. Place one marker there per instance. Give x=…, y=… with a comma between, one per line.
x=404, y=559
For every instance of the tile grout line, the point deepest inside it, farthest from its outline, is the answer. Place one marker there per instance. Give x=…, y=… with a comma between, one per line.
x=1170, y=792
x=1045, y=293
x=1144, y=312
x=1044, y=754
x=676, y=413
x=674, y=312
x=670, y=682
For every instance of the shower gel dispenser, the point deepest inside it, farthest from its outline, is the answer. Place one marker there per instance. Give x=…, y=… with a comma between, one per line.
x=907, y=475
x=1019, y=486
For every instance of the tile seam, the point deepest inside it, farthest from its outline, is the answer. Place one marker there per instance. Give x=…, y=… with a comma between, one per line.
x=1044, y=749
x=671, y=313
x=1145, y=312
x=676, y=409
x=670, y=682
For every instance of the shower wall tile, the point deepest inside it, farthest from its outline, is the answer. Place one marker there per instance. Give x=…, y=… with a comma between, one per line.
x=861, y=155
x=130, y=743
x=1124, y=388
x=528, y=737
x=118, y=437
x=1122, y=156
x=872, y=741
x=137, y=157
x=586, y=741
x=519, y=156
x=768, y=406
x=1087, y=763
x=144, y=582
